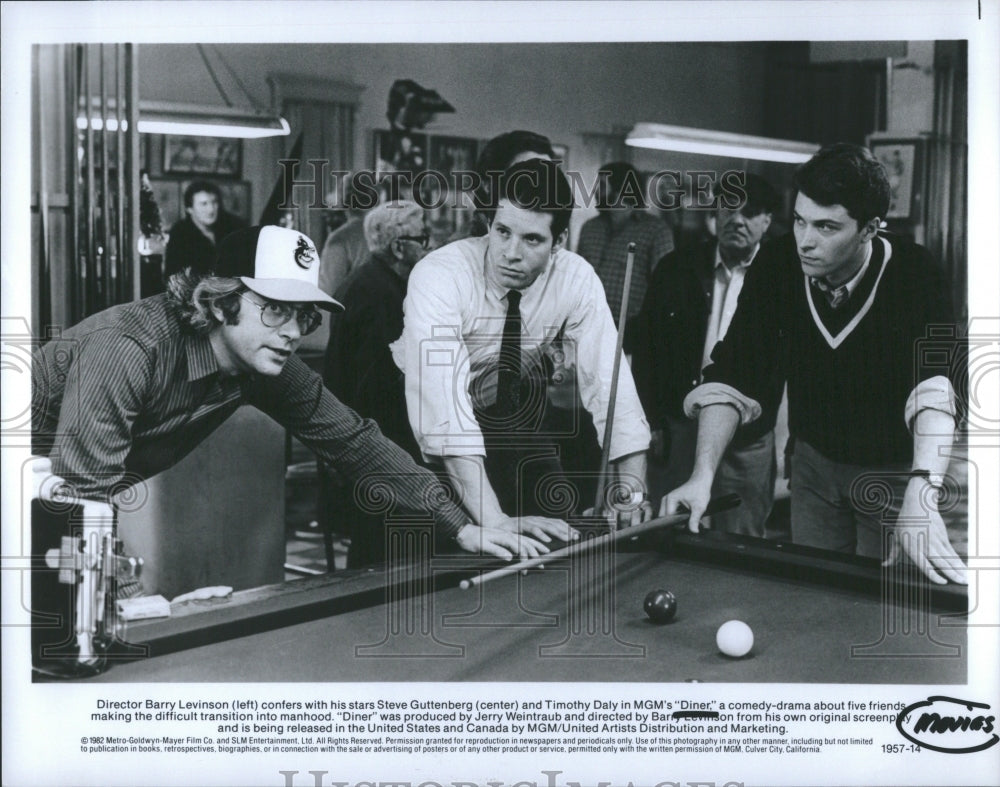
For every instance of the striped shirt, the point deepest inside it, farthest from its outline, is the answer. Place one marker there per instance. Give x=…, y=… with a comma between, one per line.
x=129, y=392
x=607, y=250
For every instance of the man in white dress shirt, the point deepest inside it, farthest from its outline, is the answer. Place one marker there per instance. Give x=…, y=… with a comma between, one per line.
x=482, y=319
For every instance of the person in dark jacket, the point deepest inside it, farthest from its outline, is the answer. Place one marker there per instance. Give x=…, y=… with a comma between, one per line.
x=194, y=239
x=359, y=368
x=689, y=304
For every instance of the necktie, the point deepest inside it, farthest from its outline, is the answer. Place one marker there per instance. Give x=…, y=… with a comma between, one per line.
x=509, y=369
x=835, y=296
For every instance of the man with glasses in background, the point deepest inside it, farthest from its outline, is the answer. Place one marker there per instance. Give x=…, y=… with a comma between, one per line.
x=130, y=391
x=359, y=368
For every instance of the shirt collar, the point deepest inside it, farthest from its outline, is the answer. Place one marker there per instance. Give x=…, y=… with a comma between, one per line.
x=201, y=361
x=852, y=284
x=745, y=264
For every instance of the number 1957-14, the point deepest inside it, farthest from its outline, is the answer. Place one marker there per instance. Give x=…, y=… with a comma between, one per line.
x=899, y=748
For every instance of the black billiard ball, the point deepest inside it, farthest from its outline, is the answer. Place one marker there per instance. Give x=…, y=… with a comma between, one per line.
x=660, y=606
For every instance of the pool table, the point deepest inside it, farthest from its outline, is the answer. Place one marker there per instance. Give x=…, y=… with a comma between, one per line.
x=817, y=617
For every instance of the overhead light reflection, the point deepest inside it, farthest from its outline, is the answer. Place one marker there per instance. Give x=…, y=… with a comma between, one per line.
x=683, y=139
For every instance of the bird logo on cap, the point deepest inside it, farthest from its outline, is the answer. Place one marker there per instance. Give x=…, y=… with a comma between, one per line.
x=304, y=256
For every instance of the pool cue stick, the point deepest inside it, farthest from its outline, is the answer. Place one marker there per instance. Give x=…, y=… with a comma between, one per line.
x=723, y=503
x=602, y=474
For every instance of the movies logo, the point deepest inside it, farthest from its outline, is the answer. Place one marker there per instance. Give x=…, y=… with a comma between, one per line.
x=949, y=725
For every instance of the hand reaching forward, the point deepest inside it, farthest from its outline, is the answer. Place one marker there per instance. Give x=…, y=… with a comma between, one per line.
x=542, y=528
x=920, y=532
x=499, y=543
x=693, y=495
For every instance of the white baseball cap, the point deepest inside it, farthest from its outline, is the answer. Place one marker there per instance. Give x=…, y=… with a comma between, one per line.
x=275, y=262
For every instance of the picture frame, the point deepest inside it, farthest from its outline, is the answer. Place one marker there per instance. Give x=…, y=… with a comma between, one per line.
x=236, y=196
x=187, y=155
x=399, y=151
x=449, y=155
x=903, y=162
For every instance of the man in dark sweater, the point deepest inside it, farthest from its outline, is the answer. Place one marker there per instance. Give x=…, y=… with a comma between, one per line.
x=839, y=311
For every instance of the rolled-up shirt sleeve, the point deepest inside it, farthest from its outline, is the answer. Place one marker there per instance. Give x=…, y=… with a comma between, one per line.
x=592, y=331
x=935, y=393
x=435, y=360
x=708, y=394
x=746, y=369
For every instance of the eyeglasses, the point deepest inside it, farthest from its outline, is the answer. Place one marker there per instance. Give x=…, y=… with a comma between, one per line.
x=423, y=240
x=274, y=314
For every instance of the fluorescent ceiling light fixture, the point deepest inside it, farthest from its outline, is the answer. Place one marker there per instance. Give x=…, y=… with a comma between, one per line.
x=201, y=121
x=683, y=139
x=194, y=120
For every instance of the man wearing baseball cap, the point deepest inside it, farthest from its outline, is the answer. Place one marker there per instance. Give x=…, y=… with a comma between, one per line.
x=131, y=390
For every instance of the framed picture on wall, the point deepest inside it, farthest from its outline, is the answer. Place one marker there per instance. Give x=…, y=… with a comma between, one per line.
x=449, y=155
x=399, y=151
x=168, y=198
x=903, y=160
x=236, y=199
x=235, y=196
x=202, y=156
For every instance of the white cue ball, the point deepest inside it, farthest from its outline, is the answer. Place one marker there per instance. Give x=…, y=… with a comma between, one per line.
x=734, y=638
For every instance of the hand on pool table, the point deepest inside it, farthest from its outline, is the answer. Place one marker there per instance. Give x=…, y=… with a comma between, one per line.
x=499, y=543
x=920, y=532
x=542, y=528
x=692, y=495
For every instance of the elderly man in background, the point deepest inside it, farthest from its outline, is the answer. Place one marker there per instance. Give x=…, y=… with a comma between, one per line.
x=359, y=368
x=689, y=304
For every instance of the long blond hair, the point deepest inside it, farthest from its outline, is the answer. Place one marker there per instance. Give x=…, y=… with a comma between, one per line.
x=194, y=296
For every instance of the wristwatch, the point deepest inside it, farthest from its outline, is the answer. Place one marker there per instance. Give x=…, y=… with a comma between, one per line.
x=936, y=480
